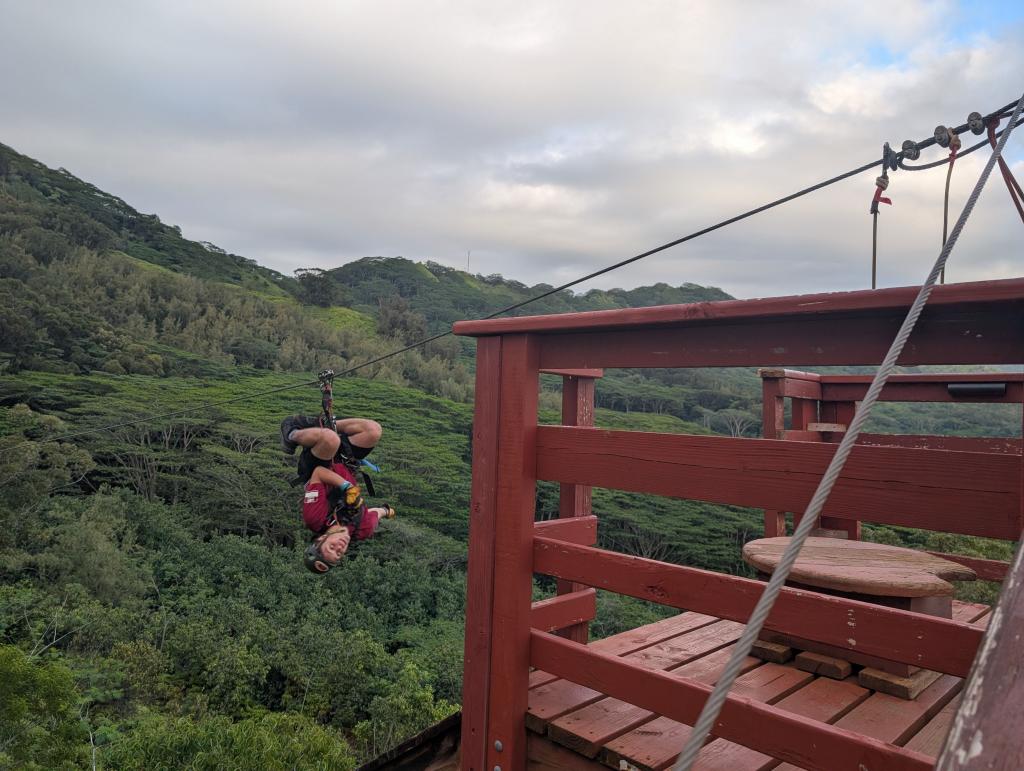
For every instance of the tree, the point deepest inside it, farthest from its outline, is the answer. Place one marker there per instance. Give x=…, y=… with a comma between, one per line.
x=284, y=740
x=736, y=422
x=395, y=318
x=318, y=287
x=39, y=728
x=406, y=709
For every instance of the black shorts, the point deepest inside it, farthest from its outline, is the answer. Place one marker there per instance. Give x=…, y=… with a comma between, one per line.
x=308, y=461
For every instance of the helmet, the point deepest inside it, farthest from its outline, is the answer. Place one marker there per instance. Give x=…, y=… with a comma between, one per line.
x=314, y=560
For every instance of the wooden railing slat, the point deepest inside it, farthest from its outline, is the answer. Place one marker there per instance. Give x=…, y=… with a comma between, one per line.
x=969, y=493
x=912, y=638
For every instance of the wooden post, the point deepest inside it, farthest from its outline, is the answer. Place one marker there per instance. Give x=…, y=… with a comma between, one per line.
x=773, y=426
x=805, y=412
x=842, y=413
x=480, y=573
x=986, y=732
x=512, y=583
x=575, y=500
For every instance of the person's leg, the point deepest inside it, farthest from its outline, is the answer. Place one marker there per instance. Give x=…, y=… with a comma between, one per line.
x=322, y=442
x=383, y=512
x=363, y=434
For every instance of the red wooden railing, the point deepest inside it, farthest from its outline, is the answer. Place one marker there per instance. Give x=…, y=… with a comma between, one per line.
x=822, y=406
x=964, y=492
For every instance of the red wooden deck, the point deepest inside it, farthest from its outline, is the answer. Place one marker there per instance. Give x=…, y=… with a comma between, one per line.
x=629, y=698
x=601, y=731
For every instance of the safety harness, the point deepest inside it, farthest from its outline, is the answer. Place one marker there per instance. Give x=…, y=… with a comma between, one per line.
x=342, y=513
x=346, y=453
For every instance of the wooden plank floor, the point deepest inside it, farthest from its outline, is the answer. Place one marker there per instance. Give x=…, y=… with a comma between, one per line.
x=577, y=727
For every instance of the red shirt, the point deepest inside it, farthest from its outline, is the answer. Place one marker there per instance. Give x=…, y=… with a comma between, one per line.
x=316, y=508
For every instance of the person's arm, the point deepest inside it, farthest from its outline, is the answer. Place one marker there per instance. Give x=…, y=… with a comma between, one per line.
x=328, y=477
x=353, y=496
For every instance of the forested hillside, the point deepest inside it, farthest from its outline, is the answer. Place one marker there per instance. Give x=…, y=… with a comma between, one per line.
x=154, y=610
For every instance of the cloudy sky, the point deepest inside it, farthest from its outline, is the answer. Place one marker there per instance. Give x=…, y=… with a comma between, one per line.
x=540, y=140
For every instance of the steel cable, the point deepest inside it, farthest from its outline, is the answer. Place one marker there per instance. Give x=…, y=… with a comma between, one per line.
x=713, y=705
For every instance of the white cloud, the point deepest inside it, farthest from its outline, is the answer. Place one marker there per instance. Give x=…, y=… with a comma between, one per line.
x=549, y=139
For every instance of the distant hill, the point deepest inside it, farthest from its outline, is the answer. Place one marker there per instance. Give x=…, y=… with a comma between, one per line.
x=444, y=295
x=73, y=212
x=89, y=283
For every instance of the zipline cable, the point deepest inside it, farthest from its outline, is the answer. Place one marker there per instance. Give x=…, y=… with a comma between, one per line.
x=713, y=705
x=514, y=306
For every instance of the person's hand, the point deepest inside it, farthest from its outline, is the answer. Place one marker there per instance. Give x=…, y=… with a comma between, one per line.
x=353, y=497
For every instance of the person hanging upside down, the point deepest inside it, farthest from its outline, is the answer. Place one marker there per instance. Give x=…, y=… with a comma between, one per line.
x=333, y=506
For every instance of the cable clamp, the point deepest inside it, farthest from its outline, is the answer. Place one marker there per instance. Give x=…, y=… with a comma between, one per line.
x=325, y=379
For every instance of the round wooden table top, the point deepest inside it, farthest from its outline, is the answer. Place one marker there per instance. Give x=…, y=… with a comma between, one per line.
x=861, y=567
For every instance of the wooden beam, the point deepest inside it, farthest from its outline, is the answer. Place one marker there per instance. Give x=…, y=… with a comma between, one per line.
x=773, y=426
x=480, y=572
x=588, y=729
x=833, y=428
x=987, y=570
x=953, y=492
x=787, y=374
x=513, y=547
x=986, y=733
x=948, y=377
x=563, y=697
x=581, y=530
x=801, y=389
x=995, y=297
x=980, y=336
x=588, y=373
x=911, y=638
x=823, y=700
x=1006, y=445
x=773, y=415
x=784, y=735
x=637, y=639
x=575, y=501
x=921, y=388
x=564, y=610
x=801, y=436
x=577, y=410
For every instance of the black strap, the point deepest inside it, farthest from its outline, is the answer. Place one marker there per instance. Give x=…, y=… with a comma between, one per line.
x=347, y=455
x=368, y=484
x=343, y=517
